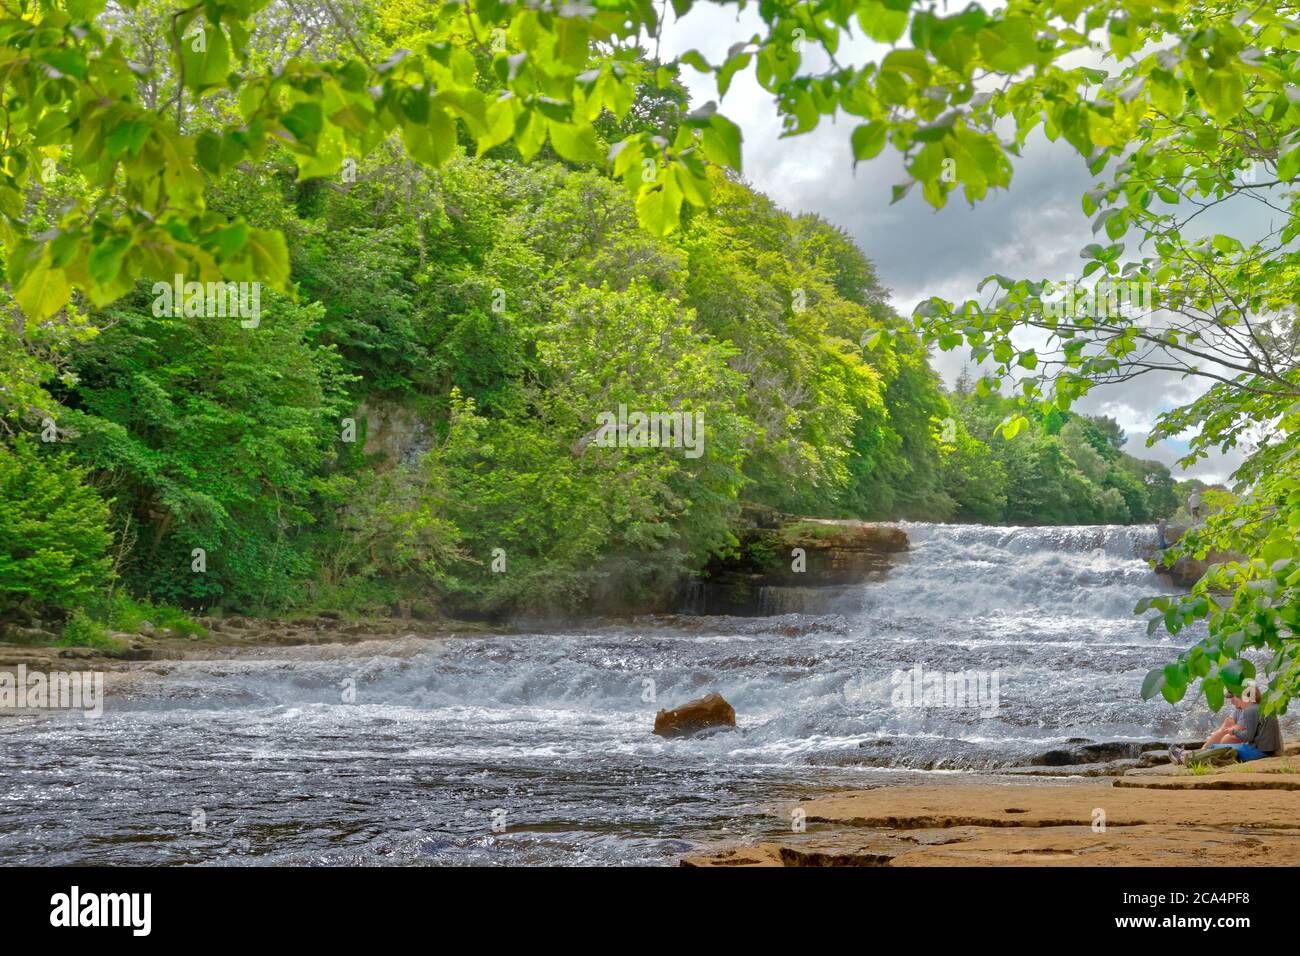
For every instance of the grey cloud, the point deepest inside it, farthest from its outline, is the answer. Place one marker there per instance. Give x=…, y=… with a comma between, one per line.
x=1035, y=229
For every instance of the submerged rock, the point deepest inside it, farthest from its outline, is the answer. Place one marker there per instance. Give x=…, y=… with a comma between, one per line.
x=694, y=716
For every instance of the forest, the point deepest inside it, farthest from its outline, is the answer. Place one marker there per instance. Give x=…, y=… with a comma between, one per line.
x=501, y=306
x=486, y=298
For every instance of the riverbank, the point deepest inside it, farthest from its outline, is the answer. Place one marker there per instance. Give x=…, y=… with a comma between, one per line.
x=228, y=637
x=1246, y=814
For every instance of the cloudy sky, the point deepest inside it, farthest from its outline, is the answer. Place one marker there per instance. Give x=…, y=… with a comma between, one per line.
x=1033, y=230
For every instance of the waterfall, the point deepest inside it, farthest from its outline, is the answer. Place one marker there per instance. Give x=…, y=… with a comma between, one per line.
x=402, y=751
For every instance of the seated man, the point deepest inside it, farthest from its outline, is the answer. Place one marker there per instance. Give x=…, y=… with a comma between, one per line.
x=1243, y=736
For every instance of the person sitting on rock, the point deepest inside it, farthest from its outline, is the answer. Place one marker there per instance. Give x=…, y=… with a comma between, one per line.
x=1245, y=735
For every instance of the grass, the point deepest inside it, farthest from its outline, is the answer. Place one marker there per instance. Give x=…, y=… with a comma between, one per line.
x=90, y=626
x=82, y=631
x=804, y=530
x=117, y=612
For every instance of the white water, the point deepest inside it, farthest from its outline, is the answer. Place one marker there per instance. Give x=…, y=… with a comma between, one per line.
x=553, y=729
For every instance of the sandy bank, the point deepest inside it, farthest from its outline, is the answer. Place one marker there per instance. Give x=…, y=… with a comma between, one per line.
x=1161, y=816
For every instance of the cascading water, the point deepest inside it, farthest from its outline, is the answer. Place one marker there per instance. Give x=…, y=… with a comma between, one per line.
x=536, y=748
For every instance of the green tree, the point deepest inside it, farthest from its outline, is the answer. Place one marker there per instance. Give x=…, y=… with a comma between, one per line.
x=54, y=538
x=209, y=436
x=974, y=479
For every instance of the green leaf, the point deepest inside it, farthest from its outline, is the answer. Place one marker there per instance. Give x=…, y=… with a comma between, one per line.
x=105, y=260
x=880, y=22
x=1233, y=674
x=1010, y=45
x=868, y=140
x=43, y=292
x=304, y=120
x=1213, y=688
x=1153, y=683
x=1224, y=92
x=576, y=143
x=1289, y=165
x=721, y=142
x=1011, y=425
x=264, y=258
x=434, y=142
x=658, y=207
x=209, y=66
x=572, y=34
x=69, y=61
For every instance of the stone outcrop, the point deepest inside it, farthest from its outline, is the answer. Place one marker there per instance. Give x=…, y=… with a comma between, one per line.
x=788, y=564
x=704, y=713
x=393, y=434
x=1186, y=571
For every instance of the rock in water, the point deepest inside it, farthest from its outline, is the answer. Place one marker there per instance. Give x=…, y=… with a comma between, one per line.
x=694, y=716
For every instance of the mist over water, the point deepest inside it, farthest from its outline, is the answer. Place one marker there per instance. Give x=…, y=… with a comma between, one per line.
x=261, y=760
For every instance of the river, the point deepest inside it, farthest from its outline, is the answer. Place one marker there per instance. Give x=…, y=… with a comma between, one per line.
x=535, y=748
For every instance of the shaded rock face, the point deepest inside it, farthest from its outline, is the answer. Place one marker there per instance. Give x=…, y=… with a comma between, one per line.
x=17, y=634
x=1186, y=571
x=393, y=433
x=788, y=565
x=694, y=716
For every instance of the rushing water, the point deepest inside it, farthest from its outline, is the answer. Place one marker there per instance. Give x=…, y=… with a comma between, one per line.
x=261, y=759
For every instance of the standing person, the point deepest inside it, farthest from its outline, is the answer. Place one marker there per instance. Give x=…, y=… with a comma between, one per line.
x=1160, y=528
x=1246, y=735
x=1194, y=504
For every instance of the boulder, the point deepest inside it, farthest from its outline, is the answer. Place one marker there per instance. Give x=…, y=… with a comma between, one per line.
x=694, y=716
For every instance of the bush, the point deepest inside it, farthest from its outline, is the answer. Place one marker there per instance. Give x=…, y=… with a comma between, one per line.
x=82, y=631
x=54, y=534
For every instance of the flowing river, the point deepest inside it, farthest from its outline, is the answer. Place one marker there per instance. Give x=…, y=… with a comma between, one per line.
x=535, y=748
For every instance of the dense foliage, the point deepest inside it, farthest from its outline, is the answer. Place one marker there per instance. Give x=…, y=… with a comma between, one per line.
x=473, y=324
x=461, y=300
